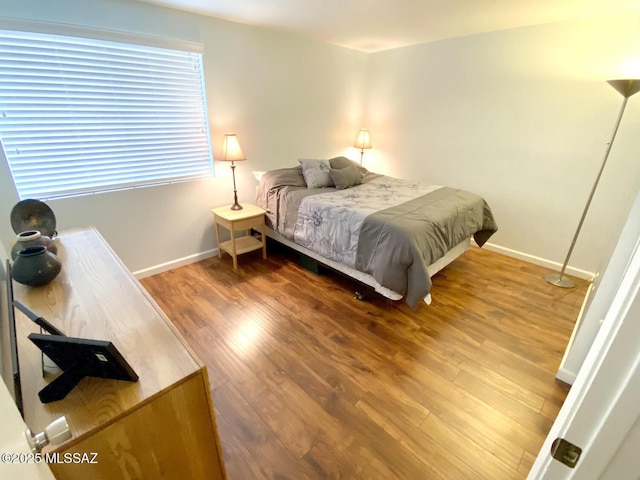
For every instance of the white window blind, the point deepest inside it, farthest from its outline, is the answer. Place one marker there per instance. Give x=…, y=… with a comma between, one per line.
x=81, y=116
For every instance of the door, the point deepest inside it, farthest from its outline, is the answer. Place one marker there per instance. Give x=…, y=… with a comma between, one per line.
x=16, y=453
x=601, y=414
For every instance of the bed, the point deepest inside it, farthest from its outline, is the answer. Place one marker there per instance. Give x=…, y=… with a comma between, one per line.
x=389, y=233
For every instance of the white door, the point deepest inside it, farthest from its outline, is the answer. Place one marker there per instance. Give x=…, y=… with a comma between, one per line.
x=15, y=451
x=601, y=414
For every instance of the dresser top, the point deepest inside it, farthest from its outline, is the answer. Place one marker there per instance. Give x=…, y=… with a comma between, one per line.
x=96, y=297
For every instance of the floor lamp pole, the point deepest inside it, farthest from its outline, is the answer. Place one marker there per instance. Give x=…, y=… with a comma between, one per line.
x=627, y=88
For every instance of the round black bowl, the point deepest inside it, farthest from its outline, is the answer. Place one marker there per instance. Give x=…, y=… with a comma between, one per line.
x=33, y=215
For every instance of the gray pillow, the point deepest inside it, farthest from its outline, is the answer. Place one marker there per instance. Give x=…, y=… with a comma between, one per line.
x=344, y=162
x=340, y=162
x=284, y=177
x=316, y=173
x=345, y=177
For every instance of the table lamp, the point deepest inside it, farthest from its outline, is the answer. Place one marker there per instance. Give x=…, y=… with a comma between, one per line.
x=231, y=152
x=363, y=142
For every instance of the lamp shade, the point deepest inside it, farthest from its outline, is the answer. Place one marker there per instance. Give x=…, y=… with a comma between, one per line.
x=627, y=88
x=231, y=151
x=363, y=141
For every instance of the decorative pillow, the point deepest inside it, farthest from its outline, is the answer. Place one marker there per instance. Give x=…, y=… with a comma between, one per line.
x=340, y=162
x=344, y=162
x=291, y=177
x=345, y=177
x=316, y=173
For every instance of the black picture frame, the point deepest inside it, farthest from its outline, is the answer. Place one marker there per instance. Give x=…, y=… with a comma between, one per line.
x=79, y=358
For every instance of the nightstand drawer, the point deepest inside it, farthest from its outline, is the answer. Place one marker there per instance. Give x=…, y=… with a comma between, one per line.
x=248, y=223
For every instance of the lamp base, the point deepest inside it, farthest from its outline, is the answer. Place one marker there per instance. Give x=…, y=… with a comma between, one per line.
x=559, y=280
x=236, y=205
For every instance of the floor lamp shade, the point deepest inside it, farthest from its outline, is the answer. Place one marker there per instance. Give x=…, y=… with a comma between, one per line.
x=231, y=152
x=626, y=88
x=363, y=142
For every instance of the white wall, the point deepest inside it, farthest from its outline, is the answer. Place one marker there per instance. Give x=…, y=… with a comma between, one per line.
x=284, y=96
x=521, y=117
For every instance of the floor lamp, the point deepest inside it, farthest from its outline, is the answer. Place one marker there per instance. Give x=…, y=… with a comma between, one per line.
x=627, y=88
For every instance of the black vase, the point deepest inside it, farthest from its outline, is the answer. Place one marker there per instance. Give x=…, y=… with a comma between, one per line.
x=35, y=266
x=32, y=238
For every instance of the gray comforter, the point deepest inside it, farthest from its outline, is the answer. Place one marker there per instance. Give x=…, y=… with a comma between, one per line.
x=389, y=228
x=397, y=245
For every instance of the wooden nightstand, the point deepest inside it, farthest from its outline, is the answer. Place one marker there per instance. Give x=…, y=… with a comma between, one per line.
x=249, y=217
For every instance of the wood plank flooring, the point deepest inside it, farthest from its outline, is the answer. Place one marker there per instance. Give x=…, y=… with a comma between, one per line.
x=308, y=382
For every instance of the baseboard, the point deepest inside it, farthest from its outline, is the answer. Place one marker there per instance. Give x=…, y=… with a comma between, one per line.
x=180, y=262
x=543, y=262
x=566, y=376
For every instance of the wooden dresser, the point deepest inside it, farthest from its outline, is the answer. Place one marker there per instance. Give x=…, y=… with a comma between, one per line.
x=161, y=427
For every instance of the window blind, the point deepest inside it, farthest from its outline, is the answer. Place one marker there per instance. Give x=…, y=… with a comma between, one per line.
x=81, y=116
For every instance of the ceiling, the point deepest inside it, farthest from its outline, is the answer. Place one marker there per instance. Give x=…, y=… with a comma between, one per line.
x=374, y=25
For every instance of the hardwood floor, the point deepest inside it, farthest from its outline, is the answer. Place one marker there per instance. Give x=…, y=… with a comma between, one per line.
x=309, y=382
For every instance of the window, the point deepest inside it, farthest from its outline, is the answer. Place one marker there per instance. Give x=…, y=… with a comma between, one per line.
x=80, y=116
